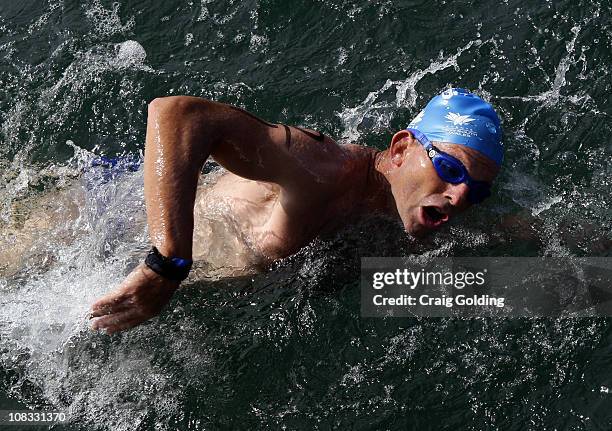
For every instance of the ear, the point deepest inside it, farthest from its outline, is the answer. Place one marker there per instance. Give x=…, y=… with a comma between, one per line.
x=399, y=144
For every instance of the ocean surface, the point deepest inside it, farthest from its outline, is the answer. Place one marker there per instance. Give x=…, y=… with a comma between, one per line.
x=288, y=349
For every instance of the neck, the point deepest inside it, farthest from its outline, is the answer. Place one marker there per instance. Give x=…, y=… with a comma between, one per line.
x=377, y=196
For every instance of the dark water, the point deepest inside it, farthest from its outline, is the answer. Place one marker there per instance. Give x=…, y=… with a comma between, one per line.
x=288, y=349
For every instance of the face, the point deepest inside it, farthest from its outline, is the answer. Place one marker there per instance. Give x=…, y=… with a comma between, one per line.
x=423, y=200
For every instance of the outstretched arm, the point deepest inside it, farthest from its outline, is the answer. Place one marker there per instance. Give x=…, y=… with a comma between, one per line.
x=182, y=132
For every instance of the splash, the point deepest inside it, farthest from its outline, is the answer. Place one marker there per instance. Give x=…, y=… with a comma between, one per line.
x=380, y=112
x=82, y=240
x=56, y=105
x=553, y=95
x=130, y=54
x=106, y=22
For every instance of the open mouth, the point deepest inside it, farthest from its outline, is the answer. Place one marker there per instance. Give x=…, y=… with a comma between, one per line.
x=432, y=216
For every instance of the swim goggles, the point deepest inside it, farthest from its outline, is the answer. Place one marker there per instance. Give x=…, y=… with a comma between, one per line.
x=452, y=171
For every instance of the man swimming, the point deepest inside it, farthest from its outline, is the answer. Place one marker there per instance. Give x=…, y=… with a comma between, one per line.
x=286, y=185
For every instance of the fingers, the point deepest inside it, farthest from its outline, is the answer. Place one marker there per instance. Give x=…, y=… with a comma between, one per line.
x=141, y=296
x=109, y=300
x=117, y=322
x=110, y=308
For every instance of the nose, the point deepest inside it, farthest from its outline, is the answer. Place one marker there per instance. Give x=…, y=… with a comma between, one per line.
x=457, y=194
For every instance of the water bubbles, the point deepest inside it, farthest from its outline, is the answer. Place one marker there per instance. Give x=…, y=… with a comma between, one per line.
x=106, y=22
x=342, y=56
x=258, y=43
x=546, y=205
x=130, y=53
x=567, y=158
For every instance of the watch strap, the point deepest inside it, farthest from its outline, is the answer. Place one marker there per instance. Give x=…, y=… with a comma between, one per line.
x=172, y=268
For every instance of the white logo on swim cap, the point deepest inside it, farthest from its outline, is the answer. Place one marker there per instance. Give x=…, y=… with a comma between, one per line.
x=418, y=118
x=457, y=119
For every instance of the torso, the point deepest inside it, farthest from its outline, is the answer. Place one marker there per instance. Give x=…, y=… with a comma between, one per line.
x=242, y=225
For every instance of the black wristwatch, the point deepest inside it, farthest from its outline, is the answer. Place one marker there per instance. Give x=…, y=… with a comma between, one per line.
x=172, y=268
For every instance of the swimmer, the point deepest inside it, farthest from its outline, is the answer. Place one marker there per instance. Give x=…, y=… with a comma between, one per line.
x=286, y=185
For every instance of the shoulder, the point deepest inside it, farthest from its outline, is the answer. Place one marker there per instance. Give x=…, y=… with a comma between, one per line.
x=327, y=160
x=333, y=169
x=354, y=170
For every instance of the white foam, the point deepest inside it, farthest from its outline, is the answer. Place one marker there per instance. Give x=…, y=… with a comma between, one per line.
x=130, y=53
x=106, y=22
x=204, y=13
x=53, y=106
x=75, y=260
x=546, y=205
x=380, y=112
x=342, y=56
x=553, y=95
x=258, y=43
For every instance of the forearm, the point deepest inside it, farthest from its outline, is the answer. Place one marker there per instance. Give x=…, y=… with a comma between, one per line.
x=177, y=146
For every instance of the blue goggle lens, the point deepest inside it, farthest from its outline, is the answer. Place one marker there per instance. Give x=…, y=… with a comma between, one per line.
x=449, y=170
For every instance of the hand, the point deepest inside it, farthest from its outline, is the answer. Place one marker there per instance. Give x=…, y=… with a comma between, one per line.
x=142, y=295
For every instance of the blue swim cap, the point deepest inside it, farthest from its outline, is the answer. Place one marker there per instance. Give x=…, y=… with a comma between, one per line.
x=460, y=117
